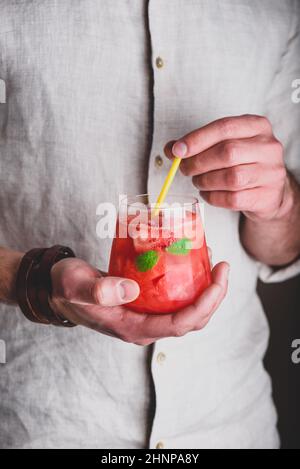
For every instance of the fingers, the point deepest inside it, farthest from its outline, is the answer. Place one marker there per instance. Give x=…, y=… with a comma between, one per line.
x=246, y=175
x=168, y=149
x=193, y=317
x=232, y=153
x=210, y=257
x=220, y=277
x=229, y=128
x=210, y=300
x=144, y=329
x=96, y=302
x=247, y=200
x=237, y=178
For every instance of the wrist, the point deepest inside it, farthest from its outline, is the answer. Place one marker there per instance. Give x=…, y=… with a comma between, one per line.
x=10, y=262
x=16, y=261
x=275, y=241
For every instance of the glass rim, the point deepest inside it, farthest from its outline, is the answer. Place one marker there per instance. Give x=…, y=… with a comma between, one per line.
x=190, y=200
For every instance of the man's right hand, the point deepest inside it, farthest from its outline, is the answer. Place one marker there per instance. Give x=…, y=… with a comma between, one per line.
x=86, y=297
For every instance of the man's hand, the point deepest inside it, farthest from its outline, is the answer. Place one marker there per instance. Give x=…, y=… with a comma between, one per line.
x=86, y=297
x=238, y=164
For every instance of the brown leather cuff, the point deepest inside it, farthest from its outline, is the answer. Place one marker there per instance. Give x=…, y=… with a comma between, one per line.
x=34, y=287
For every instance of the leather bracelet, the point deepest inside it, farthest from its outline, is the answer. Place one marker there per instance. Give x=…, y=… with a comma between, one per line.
x=49, y=258
x=29, y=261
x=34, y=287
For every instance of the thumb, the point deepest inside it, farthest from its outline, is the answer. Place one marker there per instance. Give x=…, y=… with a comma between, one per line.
x=114, y=291
x=105, y=291
x=78, y=282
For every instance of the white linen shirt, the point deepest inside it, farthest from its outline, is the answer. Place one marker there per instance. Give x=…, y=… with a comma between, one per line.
x=85, y=112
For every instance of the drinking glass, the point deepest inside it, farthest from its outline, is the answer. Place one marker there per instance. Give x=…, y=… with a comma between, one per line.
x=163, y=250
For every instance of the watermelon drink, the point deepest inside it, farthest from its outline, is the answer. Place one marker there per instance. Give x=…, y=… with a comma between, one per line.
x=164, y=253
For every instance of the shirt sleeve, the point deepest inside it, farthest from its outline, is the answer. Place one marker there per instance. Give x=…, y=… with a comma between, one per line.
x=283, y=110
x=269, y=275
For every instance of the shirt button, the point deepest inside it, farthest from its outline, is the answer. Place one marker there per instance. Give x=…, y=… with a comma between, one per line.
x=161, y=358
x=160, y=445
x=159, y=62
x=158, y=161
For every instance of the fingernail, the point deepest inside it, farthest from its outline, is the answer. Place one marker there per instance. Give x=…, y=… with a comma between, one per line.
x=128, y=290
x=179, y=149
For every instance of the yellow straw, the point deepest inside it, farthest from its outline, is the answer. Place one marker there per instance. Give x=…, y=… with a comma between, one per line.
x=167, y=184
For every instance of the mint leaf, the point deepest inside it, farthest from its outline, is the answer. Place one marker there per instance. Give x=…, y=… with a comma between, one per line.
x=146, y=261
x=181, y=247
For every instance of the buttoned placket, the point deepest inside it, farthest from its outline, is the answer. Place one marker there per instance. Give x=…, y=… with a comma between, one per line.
x=158, y=166
x=159, y=368
x=158, y=169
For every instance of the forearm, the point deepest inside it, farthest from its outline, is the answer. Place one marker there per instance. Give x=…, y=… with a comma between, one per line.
x=9, y=264
x=276, y=242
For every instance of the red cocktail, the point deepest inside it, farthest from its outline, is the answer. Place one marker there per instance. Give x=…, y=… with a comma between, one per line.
x=164, y=253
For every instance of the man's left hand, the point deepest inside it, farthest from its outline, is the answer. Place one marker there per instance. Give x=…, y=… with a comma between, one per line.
x=236, y=163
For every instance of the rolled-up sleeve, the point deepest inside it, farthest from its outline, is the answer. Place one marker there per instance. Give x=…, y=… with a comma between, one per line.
x=269, y=275
x=283, y=110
